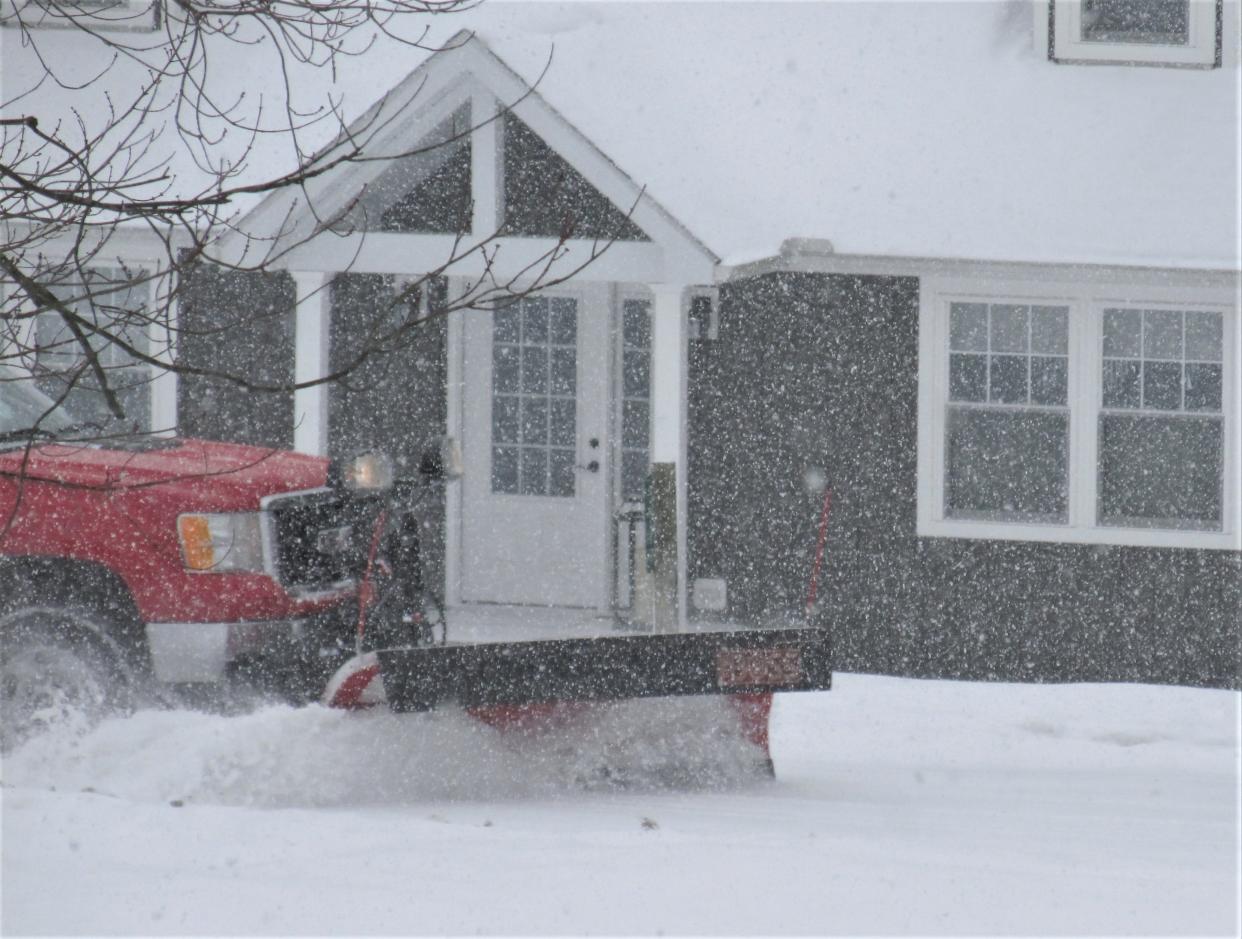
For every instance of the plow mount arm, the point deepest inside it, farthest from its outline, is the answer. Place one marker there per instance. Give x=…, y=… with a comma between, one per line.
x=606, y=668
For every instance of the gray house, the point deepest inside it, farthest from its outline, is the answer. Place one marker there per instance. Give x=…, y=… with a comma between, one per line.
x=931, y=310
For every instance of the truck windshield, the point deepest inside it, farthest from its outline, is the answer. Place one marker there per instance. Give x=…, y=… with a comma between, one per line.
x=26, y=411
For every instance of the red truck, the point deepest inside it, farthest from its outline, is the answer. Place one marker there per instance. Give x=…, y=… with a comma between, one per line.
x=124, y=559
x=132, y=557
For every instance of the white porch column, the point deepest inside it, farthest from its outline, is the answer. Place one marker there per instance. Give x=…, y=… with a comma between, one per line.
x=163, y=339
x=669, y=388
x=310, y=405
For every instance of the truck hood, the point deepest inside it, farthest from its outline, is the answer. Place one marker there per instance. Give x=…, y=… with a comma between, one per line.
x=232, y=476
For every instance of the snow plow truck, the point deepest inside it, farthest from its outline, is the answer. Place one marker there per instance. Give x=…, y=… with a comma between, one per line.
x=141, y=561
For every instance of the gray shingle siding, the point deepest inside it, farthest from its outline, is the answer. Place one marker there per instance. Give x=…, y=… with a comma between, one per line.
x=820, y=372
x=237, y=324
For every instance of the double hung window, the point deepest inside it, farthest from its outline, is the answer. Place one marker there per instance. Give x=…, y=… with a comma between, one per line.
x=110, y=315
x=1077, y=416
x=1161, y=425
x=1008, y=420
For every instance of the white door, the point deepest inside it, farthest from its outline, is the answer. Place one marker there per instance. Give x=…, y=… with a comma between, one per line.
x=535, y=421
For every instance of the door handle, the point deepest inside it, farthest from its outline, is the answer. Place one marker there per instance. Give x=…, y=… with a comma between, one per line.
x=592, y=467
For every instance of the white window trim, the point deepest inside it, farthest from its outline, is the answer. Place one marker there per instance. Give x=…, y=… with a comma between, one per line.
x=1200, y=50
x=1086, y=303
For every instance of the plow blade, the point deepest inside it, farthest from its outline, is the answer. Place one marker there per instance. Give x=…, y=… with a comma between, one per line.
x=606, y=668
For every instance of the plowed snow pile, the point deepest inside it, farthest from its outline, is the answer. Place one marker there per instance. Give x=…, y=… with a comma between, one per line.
x=282, y=756
x=900, y=807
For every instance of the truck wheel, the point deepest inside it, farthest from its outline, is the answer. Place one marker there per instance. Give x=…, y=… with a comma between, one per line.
x=52, y=674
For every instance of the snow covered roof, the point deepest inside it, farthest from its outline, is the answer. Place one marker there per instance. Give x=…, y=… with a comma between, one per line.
x=909, y=129
x=889, y=128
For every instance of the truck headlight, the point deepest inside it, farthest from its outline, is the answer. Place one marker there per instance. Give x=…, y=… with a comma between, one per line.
x=369, y=471
x=222, y=541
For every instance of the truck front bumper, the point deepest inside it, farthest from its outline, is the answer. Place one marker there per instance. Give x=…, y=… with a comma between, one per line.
x=204, y=652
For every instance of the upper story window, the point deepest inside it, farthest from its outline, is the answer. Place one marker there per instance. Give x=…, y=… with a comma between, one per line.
x=1089, y=414
x=1158, y=32
x=105, y=15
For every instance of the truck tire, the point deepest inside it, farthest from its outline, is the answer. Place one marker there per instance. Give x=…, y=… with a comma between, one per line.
x=55, y=674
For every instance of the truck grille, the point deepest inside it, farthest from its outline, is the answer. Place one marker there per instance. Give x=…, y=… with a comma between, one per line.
x=321, y=537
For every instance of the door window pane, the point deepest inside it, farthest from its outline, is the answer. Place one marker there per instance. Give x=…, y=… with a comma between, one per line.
x=505, y=469
x=535, y=320
x=564, y=371
x=505, y=361
x=561, y=472
x=507, y=324
x=534, y=404
x=505, y=419
x=534, y=421
x=562, y=430
x=534, y=471
x=563, y=322
x=534, y=369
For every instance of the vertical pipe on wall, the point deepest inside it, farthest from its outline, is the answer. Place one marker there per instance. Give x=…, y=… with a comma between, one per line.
x=310, y=405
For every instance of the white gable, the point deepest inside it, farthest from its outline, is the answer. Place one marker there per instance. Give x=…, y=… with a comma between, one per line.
x=918, y=129
x=906, y=129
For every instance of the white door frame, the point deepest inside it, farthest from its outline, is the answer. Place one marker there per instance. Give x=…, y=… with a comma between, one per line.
x=595, y=297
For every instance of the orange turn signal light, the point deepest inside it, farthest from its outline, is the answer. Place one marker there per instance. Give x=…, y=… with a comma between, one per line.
x=196, y=543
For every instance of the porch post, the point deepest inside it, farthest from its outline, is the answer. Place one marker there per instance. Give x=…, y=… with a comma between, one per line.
x=669, y=387
x=163, y=340
x=310, y=405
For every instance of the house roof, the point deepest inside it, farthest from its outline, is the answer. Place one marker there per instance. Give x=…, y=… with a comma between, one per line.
x=889, y=128
x=909, y=129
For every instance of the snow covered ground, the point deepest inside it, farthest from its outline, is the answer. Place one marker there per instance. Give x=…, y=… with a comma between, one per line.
x=901, y=807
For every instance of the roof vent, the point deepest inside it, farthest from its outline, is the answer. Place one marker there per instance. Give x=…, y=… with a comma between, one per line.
x=793, y=247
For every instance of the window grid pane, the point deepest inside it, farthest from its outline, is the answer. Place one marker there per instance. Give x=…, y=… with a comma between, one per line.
x=635, y=432
x=1009, y=355
x=534, y=403
x=1168, y=361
